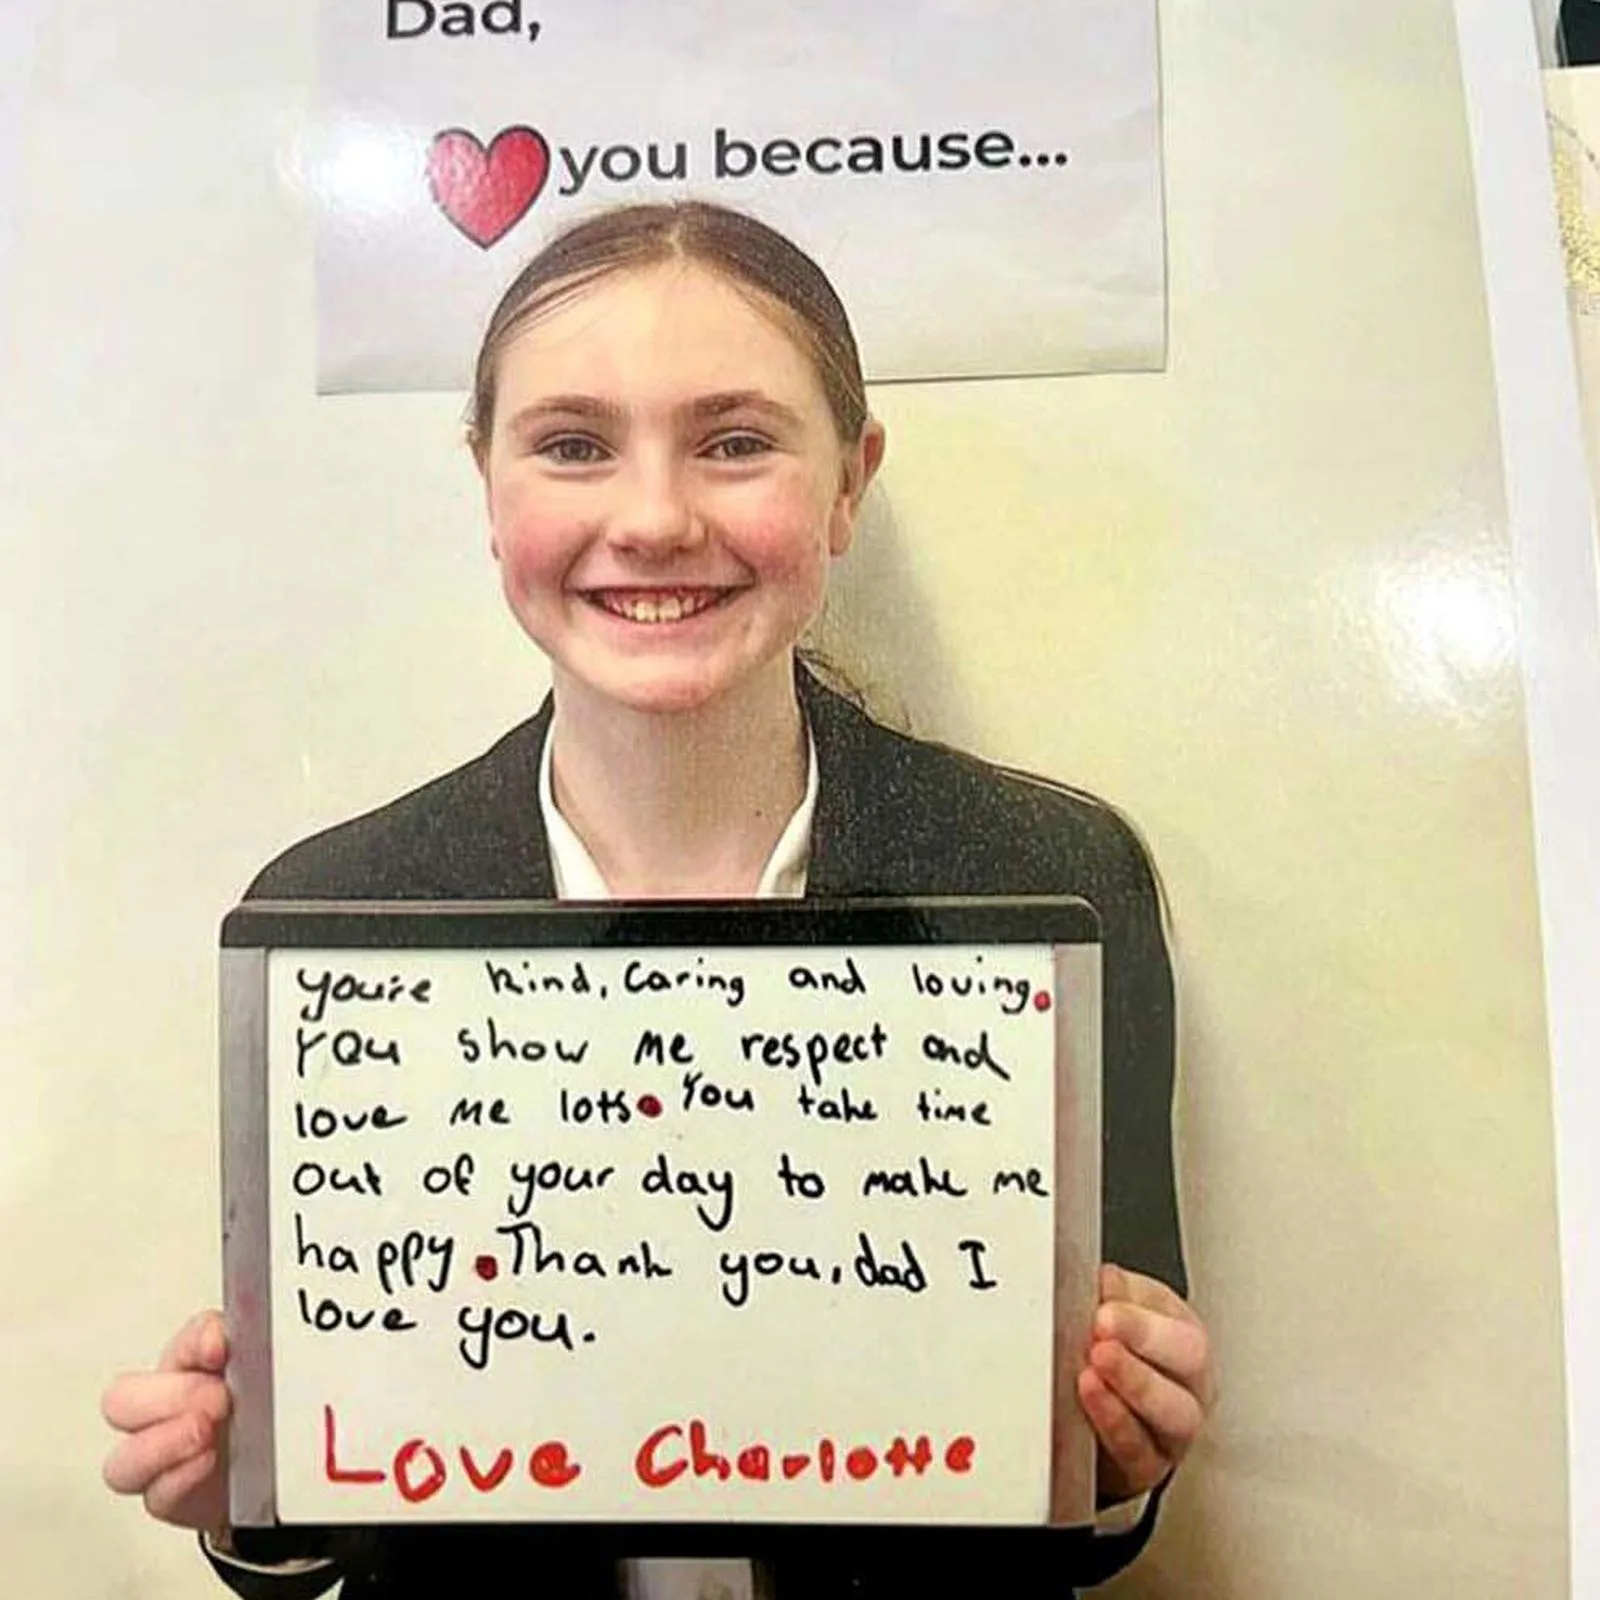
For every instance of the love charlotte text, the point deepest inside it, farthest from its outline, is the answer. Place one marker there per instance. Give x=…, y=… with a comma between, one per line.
x=675, y=1455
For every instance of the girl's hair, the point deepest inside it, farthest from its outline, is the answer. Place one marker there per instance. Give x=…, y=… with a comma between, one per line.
x=749, y=254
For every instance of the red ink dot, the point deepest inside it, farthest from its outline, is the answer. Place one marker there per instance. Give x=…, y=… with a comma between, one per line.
x=1041, y=1001
x=649, y=1106
x=487, y=1268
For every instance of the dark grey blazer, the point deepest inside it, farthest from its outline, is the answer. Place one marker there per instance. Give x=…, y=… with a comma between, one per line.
x=895, y=816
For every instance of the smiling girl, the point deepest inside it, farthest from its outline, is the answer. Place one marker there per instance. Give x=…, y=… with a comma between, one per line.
x=670, y=424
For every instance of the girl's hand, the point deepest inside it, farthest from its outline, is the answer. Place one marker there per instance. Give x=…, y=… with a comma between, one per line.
x=1147, y=1383
x=174, y=1422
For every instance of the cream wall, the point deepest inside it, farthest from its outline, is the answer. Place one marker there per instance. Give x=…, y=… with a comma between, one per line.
x=1261, y=601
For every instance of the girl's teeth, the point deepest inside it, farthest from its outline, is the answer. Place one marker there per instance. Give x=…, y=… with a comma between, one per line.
x=671, y=608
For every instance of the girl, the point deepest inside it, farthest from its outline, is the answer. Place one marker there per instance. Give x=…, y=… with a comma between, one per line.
x=673, y=436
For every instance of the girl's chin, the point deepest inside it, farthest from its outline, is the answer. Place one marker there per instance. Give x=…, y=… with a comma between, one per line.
x=659, y=690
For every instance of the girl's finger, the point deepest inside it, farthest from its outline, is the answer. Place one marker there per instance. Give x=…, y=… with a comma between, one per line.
x=1118, y=1283
x=141, y=1399
x=1123, y=1437
x=1179, y=1348
x=200, y=1345
x=166, y=1498
x=1172, y=1415
x=141, y=1458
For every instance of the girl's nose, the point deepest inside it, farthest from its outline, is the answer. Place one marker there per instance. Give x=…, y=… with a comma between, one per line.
x=654, y=514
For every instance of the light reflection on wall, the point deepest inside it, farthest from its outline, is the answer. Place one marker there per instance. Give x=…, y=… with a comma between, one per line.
x=369, y=168
x=1449, y=629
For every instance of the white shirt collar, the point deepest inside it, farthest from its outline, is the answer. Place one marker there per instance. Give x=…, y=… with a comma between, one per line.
x=578, y=878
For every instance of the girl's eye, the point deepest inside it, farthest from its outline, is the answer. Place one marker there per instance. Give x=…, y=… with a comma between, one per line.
x=738, y=447
x=572, y=450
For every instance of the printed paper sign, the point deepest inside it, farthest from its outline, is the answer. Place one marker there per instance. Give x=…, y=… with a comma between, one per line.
x=982, y=182
x=665, y=1234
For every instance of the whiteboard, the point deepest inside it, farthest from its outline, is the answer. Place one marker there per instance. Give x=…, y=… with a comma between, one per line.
x=661, y=1215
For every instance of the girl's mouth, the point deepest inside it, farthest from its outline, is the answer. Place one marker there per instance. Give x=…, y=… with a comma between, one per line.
x=656, y=605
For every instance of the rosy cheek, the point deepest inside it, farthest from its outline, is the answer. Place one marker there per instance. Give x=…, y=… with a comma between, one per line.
x=784, y=527
x=527, y=541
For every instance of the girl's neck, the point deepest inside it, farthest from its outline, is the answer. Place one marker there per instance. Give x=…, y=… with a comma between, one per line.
x=681, y=804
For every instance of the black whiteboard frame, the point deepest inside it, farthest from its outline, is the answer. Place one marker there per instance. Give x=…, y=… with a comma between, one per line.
x=251, y=932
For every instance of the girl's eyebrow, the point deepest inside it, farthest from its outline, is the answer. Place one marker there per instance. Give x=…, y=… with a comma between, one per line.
x=711, y=406
x=568, y=405
x=704, y=408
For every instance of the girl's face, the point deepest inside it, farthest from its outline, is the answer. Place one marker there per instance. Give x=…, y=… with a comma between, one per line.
x=666, y=488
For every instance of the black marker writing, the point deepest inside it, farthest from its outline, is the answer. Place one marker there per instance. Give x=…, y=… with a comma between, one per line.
x=877, y=1273
x=737, y=1269
x=495, y=1043
x=415, y=1257
x=532, y=1255
x=329, y=1316
x=526, y=979
x=483, y=1327
x=974, y=1057
x=913, y=1183
x=653, y=1048
x=529, y=1179
x=322, y=1258
x=715, y=1184
x=797, y=1182
x=974, y=1249
x=345, y=987
x=640, y=977
x=698, y=1094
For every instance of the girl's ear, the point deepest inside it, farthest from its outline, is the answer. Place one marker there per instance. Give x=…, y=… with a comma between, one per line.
x=869, y=455
x=861, y=463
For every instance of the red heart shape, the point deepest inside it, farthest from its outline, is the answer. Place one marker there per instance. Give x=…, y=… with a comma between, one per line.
x=486, y=193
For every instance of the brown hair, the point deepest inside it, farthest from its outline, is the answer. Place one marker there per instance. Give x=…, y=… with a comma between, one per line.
x=746, y=252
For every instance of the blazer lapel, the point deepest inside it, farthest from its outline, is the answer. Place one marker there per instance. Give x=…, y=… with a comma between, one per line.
x=514, y=851
x=847, y=846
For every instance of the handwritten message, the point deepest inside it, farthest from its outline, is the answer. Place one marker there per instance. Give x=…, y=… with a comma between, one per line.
x=663, y=1234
